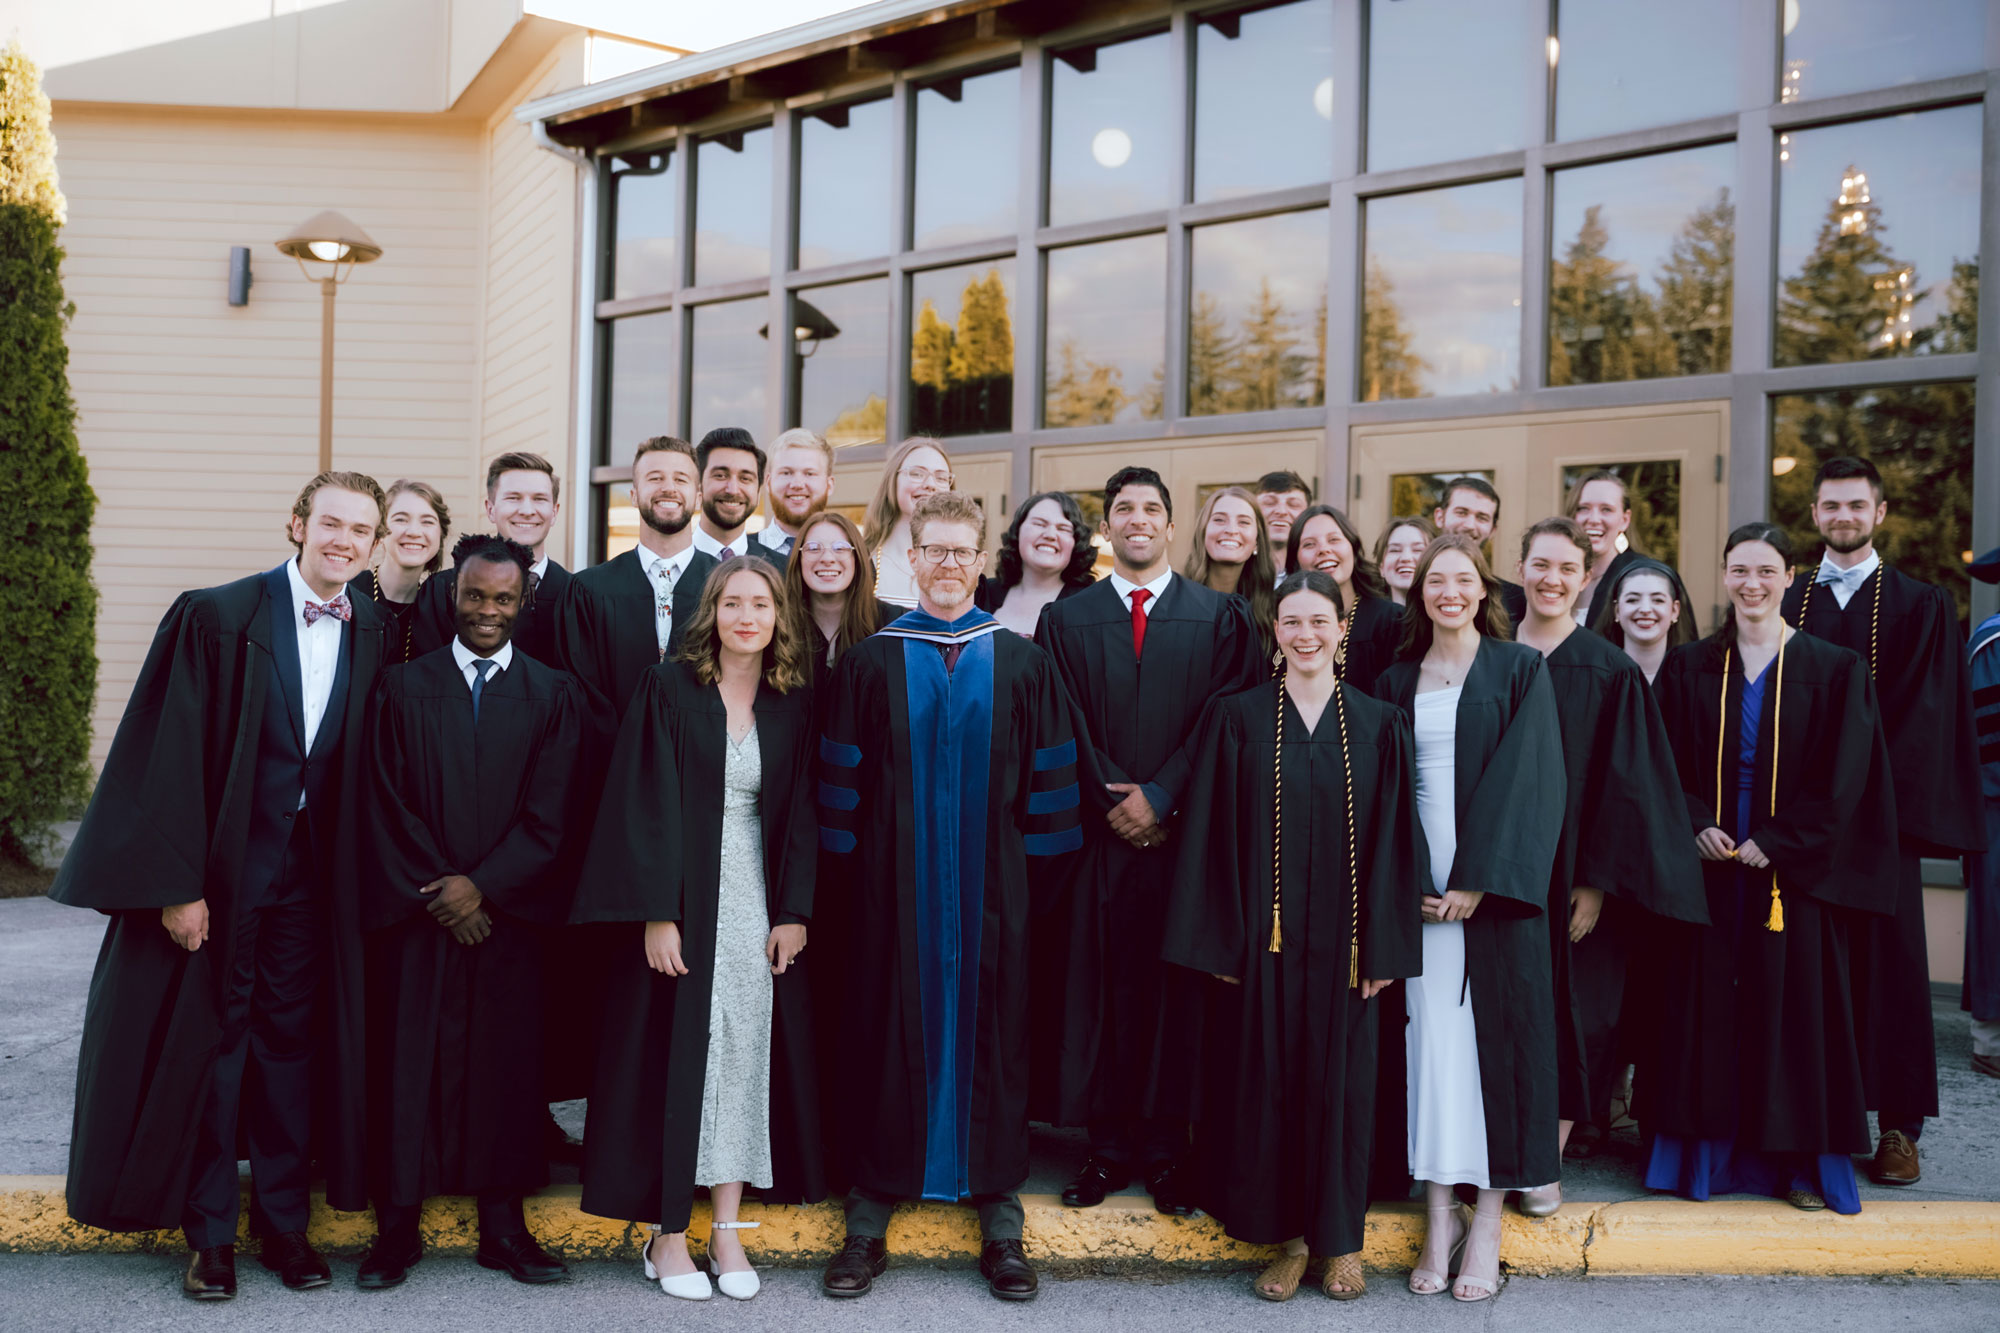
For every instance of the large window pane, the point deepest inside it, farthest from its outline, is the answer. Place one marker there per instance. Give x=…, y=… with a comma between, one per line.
x=1441, y=294
x=726, y=383
x=620, y=530
x=1920, y=437
x=1654, y=488
x=641, y=379
x=962, y=349
x=1878, y=238
x=1111, y=130
x=844, y=189
x=643, y=257
x=1847, y=46
x=1257, y=324
x=968, y=132
x=1106, y=319
x=1450, y=78
x=844, y=360
x=1640, y=276
x=1263, y=99
x=1628, y=66
x=732, y=207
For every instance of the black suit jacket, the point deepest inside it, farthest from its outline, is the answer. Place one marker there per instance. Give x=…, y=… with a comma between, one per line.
x=605, y=635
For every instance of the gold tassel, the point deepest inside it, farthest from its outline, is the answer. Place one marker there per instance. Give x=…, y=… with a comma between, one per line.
x=1354, y=967
x=1277, y=940
x=1777, y=919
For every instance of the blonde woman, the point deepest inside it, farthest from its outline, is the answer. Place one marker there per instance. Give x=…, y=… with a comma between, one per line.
x=704, y=857
x=916, y=470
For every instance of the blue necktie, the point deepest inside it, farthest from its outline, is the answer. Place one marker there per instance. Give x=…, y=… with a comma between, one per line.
x=482, y=666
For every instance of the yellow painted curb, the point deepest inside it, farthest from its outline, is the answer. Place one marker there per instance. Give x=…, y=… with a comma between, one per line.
x=1645, y=1236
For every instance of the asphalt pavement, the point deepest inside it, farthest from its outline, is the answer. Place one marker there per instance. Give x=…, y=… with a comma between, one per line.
x=50, y=1293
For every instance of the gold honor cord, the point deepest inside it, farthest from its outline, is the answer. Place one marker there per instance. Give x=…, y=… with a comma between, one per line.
x=1776, y=921
x=1278, y=836
x=1874, y=612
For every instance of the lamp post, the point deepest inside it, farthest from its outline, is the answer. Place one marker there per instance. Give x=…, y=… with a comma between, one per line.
x=330, y=240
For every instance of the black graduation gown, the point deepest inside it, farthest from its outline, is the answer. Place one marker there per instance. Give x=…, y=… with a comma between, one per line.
x=1923, y=691
x=399, y=620
x=991, y=592
x=1624, y=832
x=656, y=855
x=455, y=1030
x=1114, y=1027
x=534, y=628
x=605, y=638
x=169, y=824
x=1373, y=637
x=1753, y=1035
x=1287, y=1107
x=1514, y=600
x=1509, y=788
x=874, y=813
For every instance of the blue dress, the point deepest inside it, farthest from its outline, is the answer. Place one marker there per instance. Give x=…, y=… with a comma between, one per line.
x=1696, y=1168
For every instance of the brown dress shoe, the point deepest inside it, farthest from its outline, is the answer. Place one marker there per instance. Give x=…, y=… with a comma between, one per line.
x=1896, y=1161
x=1007, y=1271
x=853, y=1271
x=211, y=1274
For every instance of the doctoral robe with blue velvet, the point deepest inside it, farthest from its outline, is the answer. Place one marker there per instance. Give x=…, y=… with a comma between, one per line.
x=945, y=799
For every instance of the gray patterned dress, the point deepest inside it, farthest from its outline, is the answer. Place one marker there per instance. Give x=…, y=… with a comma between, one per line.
x=736, y=1094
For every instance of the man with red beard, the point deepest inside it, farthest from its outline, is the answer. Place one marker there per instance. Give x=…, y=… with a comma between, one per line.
x=801, y=482
x=1908, y=633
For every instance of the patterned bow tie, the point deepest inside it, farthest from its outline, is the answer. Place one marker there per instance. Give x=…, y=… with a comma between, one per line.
x=339, y=608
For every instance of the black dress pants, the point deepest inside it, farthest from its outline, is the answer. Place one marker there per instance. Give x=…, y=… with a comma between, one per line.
x=262, y=1081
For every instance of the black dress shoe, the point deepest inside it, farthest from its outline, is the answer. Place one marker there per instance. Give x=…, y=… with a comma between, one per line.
x=389, y=1261
x=854, y=1270
x=211, y=1274
x=1169, y=1187
x=524, y=1259
x=295, y=1262
x=1008, y=1274
x=1097, y=1179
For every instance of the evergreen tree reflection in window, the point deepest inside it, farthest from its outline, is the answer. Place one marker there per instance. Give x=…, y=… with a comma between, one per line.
x=962, y=376
x=1390, y=365
x=1604, y=325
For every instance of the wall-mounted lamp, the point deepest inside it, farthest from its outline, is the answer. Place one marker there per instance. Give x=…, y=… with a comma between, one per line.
x=239, y=275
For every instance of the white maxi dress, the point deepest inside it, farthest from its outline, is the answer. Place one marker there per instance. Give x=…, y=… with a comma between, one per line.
x=1447, y=1119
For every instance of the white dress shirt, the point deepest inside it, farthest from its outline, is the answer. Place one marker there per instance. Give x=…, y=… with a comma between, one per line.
x=1125, y=588
x=773, y=538
x=708, y=545
x=319, y=653
x=1844, y=583
x=465, y=657
x=650, y=564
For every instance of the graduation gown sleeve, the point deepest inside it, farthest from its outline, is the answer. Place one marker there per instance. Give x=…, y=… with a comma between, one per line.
x=1510, y=808
x=1209, y=911
x=632, y=870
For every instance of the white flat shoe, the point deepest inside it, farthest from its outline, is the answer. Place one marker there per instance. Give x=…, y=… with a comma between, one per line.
x=686, y=1286
x=736, y=1286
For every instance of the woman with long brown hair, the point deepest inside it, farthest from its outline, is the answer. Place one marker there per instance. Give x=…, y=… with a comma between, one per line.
x=1325, y=540
x=419, y=521
x=916, y=469
x=831, y=591
x=1232, y=554
x=704, y=854
x=1754, y=1084
x=1481, y=1044
x=1399, y=548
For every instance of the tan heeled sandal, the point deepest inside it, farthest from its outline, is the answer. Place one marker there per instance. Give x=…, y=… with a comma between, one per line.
x=1283, y=1275
x=1435, y=1283
x=1344, y=1269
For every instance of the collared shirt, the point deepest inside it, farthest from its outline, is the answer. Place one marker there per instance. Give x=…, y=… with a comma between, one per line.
x=319, y=653
x=774, y=538
x=675, y=565
x=465, y=657
x=1844, y=583
x=540, y=569
x=1125, y=588
x=708, y=545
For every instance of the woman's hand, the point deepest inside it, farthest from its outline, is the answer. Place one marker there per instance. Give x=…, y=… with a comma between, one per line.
x=1455, y=905
x=1715, y=845
x=1584, y=906
x=785, y=944
x=1370, y=989
x=1749, y=854
x=663, y=948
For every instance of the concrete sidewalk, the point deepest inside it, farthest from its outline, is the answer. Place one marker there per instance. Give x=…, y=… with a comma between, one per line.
x=1949, y=1223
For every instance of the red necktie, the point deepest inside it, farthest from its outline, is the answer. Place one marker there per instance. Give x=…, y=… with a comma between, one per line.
x=1139, y=596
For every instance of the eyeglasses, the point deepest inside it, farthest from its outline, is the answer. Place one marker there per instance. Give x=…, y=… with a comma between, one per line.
x=827, y=548
x=924, y=474
x=949, y=555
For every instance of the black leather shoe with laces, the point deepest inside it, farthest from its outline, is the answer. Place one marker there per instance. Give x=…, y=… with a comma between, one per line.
x=295, y=1261
x=1004, y=1265
x=854, y=1270
x=1097, y=1179
x=211, y=1274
